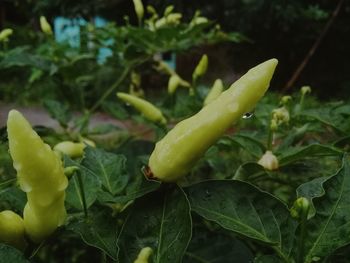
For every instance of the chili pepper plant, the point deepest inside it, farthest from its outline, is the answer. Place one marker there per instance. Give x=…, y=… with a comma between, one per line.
x=235, y=173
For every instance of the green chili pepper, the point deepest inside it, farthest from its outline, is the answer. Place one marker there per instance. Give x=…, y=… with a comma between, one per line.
x=40, y=174
x=175, y=155
x=139, y=9
x=45, y=26
x=5, y=34
x=150, y=111
x=144, y=255
x=175, y=81
x=72, y=149
x=12, y=229
x=201, y=68
x=214, y=92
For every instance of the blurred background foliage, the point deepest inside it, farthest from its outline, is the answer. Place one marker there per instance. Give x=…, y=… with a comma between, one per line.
x=276, y=28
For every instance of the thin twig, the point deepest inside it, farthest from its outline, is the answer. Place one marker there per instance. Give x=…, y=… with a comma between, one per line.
x=312, y=50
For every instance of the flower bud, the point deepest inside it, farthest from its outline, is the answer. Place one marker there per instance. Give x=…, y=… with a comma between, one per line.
x=281, y=115
x=285, y=100
x=144, y=255
x=269, y=161
x=305, y=89
x=45, y=26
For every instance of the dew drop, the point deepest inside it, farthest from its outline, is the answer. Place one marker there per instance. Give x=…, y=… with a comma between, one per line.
x=247, y=115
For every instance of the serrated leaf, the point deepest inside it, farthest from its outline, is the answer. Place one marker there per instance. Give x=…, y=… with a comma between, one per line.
x=214, y=247
x=250, y=144
x=160, y=220
x=91, y=184
x=314, y=150
x=244, y=209
x=248, y=171
x=329, y=229
x=11, y=255
x=311, y=190
x=98, y=230
x=108, y=167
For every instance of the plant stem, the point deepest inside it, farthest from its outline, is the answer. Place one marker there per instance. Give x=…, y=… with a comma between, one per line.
x=82, y=192
x=111, y=89
x=312, y=50
x=269, y=140
x=301, y=239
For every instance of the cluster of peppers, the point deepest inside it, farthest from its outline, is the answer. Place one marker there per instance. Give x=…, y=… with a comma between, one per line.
x=41, y=174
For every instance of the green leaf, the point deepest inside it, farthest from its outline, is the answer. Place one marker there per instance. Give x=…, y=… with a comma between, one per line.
x=98, y=230
x=244, y=209
x=311, y=190
x=216, y=247
x=314, y=150
x=91, y=183
x=58, y=111
x=108, y=167
x=267, y=259
x=11, y=255
x=329, y=229
x=14, y=198
x=248, y=171
x=252, y=145
x=160, y=220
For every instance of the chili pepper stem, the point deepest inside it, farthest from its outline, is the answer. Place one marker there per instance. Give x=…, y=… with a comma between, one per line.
x=82, y=192
x=269, y=140
x=301, y=239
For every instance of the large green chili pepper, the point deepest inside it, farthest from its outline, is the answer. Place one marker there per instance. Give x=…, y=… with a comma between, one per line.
x=175, y=155
x=40, y=174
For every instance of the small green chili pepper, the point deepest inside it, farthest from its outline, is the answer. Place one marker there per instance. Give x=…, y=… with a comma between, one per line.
x=12, y=229
x=5, y=34
x=45, y=26
x=139, y=9
x=72, y=149
x=150, y=111
x=40, y=174
x=175, y=155
x=144, y=255
x=214, y=92
x=201, y=68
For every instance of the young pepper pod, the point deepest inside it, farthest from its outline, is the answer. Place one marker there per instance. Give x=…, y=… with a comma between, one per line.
x=5, y=34
x=175, y=155
x=45, y=26
x=214, y=92
x=12, y=229
x=72, y=149
x=40, y=174
x=150, y=111
x=201, y=68
x=144, y=255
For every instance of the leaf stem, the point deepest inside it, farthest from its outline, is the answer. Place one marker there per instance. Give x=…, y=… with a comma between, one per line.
x=82, y=192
